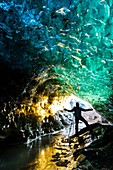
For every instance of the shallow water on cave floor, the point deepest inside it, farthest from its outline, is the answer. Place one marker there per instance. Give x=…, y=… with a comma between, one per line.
x=36, y=155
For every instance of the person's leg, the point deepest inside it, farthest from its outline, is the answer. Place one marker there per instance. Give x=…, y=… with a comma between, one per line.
x=76, y=126
x=83, y=120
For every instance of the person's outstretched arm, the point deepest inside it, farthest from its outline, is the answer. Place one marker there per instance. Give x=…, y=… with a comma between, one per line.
x=69, y=110
x=85, y=110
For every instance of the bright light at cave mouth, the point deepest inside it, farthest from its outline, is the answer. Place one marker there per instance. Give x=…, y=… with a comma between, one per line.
x=43, y=108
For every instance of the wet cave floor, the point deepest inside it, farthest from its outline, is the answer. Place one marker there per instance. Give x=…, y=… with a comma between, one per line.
x=93, y=149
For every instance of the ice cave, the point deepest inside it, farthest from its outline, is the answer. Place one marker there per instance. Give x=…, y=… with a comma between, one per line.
x=52, y=55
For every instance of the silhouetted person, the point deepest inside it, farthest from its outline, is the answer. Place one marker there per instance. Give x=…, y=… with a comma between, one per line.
x=77, y=113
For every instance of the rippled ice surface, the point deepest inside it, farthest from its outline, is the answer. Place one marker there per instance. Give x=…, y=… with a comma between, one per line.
x=36, y=155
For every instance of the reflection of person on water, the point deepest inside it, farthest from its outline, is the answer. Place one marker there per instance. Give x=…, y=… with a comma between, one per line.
x=77, y=113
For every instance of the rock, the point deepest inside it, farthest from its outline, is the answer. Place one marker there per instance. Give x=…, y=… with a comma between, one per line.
x=63, y=163
x=90, y=150
x=86, y=165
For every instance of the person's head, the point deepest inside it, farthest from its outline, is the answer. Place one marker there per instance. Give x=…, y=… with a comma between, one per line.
x=77, y=104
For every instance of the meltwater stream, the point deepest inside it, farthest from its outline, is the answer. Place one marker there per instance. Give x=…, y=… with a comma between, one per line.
x=36, y=155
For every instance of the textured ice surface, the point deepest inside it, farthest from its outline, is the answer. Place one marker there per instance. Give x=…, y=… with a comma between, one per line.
x=73, y=38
